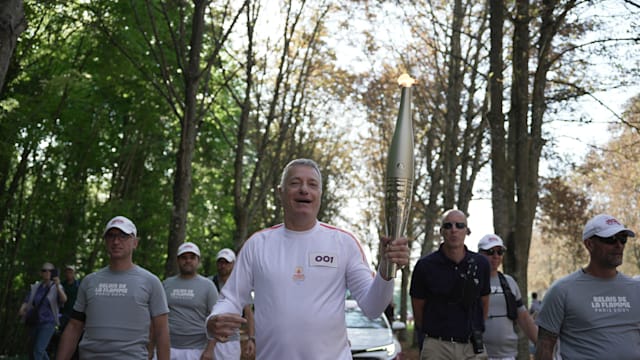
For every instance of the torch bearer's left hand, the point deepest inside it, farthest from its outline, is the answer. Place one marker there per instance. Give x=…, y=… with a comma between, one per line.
x=396, y=251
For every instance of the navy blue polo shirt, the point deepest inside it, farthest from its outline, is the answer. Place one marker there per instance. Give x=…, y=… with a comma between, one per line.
x=440, y=282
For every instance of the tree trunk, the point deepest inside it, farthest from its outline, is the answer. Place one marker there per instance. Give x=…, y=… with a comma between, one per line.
x=12, y=24
x=501, y=173
x=189, y=131
x=240, y=209
x=511, y=159
x=453, y=108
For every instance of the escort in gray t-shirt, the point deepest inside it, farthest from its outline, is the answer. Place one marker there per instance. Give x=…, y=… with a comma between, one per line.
x=595, y=318
x=500, y=337
x=190, y=302
x=119, y=306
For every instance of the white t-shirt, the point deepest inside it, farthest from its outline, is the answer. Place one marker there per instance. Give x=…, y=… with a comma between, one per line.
x=300, y=281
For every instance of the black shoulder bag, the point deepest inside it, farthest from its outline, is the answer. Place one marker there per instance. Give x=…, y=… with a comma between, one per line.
x=510, y=299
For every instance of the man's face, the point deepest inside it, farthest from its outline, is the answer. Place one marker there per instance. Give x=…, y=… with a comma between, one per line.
x=607, y=252
x=301, y=193
x=454, y=228
x=120, y=245
x=494, y=255
x=69, y=274
x=224, y=267
x=188, y=263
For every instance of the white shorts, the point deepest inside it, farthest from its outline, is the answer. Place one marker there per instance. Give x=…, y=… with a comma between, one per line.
x=183, y=354
x=229, y=350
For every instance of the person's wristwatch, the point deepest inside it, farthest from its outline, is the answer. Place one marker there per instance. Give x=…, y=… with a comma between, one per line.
x=253, y=338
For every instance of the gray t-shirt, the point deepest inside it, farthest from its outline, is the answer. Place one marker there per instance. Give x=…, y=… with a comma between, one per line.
x=190, y=302
x=595, y=318
x=500, y=337
x=119, y=306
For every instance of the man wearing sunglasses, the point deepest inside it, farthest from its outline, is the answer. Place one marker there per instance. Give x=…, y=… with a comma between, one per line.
x=505, y=306
x=122, y=308
x=450, y=295
x=595, y=311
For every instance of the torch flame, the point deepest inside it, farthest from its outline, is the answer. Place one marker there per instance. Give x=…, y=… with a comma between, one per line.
x=405, y=80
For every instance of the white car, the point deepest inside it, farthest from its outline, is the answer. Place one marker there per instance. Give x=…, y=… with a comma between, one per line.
x=371, y=339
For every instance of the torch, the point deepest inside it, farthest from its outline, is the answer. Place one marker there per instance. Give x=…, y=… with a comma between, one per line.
x=399, y=179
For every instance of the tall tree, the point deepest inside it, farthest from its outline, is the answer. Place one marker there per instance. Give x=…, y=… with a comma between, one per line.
x=73, y=139
x=174, y=35
x=286, y=84
x=517, y=158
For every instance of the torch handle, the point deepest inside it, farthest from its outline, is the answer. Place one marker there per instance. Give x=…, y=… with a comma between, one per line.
x=398, y=193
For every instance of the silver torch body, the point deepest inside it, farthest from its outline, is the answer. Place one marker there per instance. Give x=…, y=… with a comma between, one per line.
x=400, y=172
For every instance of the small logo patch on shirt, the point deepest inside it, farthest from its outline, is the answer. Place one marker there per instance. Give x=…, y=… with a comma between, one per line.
x=298, y=274
x=323, y=259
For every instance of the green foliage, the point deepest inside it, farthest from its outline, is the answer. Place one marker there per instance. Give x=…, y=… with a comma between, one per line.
x=90, y=122
x=85, y=136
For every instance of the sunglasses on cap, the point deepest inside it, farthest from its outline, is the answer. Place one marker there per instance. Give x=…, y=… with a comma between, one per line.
x=46, y=270
x=449, y=225
x=612, y=239
x=490, y=252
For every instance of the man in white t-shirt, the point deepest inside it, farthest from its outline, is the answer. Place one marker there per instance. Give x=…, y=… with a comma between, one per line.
x=535, y=306
x=300, y=272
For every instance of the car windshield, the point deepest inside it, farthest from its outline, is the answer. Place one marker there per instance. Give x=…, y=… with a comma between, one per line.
x=356, y=319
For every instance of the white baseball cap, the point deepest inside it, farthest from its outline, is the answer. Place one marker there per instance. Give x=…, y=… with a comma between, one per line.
x=188, y=247
x=226, y=254
x=121, y=223
x=604, y=225
x=490, y=241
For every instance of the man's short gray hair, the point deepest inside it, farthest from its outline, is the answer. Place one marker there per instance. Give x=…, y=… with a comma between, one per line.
x=299, y=162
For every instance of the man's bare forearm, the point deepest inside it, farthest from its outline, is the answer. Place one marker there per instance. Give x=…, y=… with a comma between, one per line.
x=546, y=344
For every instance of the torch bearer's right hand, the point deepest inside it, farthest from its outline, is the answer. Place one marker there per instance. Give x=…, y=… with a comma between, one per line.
x=395, y=251
x=222, y=326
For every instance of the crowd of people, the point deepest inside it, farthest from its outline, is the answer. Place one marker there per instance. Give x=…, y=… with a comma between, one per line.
x=465, y=308
x=283, y=273
x=136, y=297
x=286, y=288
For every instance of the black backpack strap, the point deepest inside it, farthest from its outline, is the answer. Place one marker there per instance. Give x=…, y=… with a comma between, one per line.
x=37, y=306
x=216, y=282
x=510, y=299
